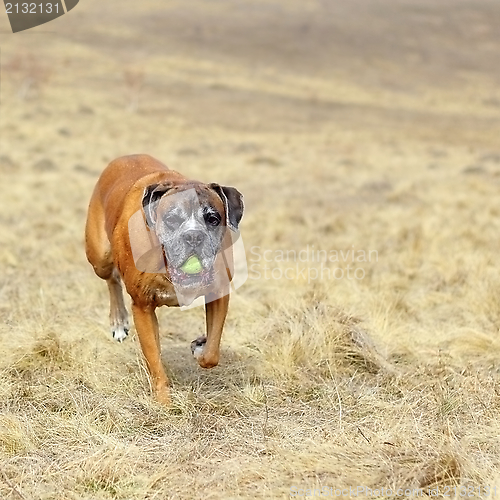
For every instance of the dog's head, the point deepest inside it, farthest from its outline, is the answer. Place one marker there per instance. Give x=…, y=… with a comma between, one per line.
x=190, y=220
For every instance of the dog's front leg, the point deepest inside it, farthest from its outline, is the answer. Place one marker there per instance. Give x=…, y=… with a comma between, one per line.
x=206, y=349
x=147, y=328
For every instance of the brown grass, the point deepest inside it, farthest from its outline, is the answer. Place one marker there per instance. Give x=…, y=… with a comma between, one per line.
x=347, y=140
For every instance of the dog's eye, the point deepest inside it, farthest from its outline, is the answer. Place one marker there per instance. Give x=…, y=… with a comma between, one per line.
x=212, y=219
x=173, y=220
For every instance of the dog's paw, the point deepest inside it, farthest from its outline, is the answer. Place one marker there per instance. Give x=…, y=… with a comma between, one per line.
x=119, y=332
x=197, y=346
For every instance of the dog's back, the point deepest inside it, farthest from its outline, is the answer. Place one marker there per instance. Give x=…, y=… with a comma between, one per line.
x=106, y=205
x=118, y=178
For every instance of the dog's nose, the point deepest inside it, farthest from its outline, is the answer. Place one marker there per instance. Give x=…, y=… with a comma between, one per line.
x=193, y=237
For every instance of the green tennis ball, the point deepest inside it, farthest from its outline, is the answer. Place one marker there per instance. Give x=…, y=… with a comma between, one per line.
x=192, y=265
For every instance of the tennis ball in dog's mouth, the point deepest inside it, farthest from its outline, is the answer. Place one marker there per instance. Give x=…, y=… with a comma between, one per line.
x=192, y=265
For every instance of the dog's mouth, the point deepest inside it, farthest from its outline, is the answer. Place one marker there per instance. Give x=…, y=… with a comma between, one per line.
x=191, y=274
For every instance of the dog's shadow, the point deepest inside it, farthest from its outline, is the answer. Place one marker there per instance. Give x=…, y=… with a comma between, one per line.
x=235, y=369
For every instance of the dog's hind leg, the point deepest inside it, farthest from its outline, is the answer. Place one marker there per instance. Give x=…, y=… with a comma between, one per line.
x=99, y=254
x=118, y=315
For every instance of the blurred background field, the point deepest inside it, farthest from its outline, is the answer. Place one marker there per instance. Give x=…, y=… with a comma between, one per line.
x=366, y=125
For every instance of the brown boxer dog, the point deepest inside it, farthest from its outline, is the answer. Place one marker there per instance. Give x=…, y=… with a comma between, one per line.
x=145, y=222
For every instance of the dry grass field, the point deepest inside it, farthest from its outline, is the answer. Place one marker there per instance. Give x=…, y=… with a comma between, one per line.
x=350, y=126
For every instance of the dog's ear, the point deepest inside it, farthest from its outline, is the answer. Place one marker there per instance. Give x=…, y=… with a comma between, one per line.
x=150, y=200
x=233, y=204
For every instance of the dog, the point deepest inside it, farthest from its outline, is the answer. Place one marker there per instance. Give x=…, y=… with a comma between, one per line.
x=168, y=240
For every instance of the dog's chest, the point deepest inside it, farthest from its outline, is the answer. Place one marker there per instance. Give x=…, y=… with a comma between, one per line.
x=163, y=292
